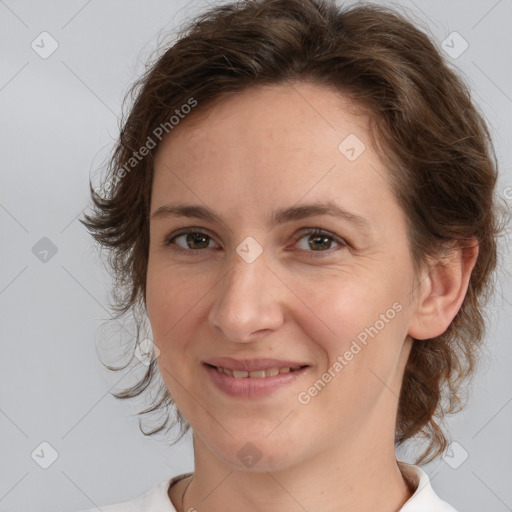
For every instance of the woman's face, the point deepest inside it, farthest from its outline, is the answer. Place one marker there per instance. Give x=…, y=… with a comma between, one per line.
x=255, y=291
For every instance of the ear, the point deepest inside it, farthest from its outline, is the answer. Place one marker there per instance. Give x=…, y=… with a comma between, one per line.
x=442, y=291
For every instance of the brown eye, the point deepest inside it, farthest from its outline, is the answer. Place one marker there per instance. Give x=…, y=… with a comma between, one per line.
x=320, y=241
x=190, y=241
x=196, y=240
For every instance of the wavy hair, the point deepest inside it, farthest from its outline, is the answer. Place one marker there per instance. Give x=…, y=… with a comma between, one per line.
x=432, y=137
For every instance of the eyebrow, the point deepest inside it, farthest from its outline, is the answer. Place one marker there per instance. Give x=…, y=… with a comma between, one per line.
x=279, y=216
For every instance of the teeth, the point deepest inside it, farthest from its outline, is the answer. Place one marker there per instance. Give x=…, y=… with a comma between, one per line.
x=257, y=374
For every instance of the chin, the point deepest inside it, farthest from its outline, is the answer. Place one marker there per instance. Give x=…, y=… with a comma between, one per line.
x=257, y=455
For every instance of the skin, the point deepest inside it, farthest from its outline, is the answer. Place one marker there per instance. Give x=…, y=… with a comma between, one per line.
x=266, y=148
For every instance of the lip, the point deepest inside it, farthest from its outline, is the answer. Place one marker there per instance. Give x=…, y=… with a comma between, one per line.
x=252, y=387
x=252, y=365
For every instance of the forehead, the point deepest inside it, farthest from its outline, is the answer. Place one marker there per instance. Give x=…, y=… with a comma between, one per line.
x=269, y=145
x=297, y=113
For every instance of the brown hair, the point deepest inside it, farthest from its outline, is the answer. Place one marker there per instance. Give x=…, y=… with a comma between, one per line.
x=433, y=139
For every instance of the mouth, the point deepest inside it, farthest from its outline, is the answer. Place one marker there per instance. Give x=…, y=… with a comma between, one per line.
x=253, y=378
x=256, y=374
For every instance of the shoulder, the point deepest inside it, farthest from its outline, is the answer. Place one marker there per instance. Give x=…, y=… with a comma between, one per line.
x=424, y=498
x=154, y=500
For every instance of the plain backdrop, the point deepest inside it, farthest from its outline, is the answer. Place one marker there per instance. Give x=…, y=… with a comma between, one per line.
x=59, y=118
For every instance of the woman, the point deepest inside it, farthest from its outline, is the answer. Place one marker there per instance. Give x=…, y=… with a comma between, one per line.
x=302, y=202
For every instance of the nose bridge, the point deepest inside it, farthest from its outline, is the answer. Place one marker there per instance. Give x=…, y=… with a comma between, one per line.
x=246, y=300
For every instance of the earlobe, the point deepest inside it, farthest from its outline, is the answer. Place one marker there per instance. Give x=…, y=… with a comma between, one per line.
x=442, y=291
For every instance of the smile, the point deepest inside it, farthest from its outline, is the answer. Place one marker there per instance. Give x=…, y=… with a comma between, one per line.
x=256, y=374
x=253, y=378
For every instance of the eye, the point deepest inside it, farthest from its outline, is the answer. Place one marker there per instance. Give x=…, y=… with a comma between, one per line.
x=192, y=241
x=320, y=241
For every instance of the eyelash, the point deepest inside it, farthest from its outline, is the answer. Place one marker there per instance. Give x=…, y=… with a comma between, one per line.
x=308, y=232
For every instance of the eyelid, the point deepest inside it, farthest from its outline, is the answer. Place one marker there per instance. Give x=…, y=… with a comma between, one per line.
x=343, y=243
x=186, y=231
x=320, y=231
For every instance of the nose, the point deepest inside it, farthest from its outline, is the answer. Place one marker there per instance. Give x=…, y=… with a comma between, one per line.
x=248, y=301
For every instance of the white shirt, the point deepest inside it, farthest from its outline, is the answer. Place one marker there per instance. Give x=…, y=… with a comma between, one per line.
x=156, y=499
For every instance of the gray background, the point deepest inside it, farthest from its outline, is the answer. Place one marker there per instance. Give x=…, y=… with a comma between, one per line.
x=59, y=119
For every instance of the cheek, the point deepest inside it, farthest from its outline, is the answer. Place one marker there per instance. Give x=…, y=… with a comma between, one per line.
x=175, y=304
x=339, y=309
x=168, y=298
x=172, y=303
x=359, y=322
x=169, y=290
